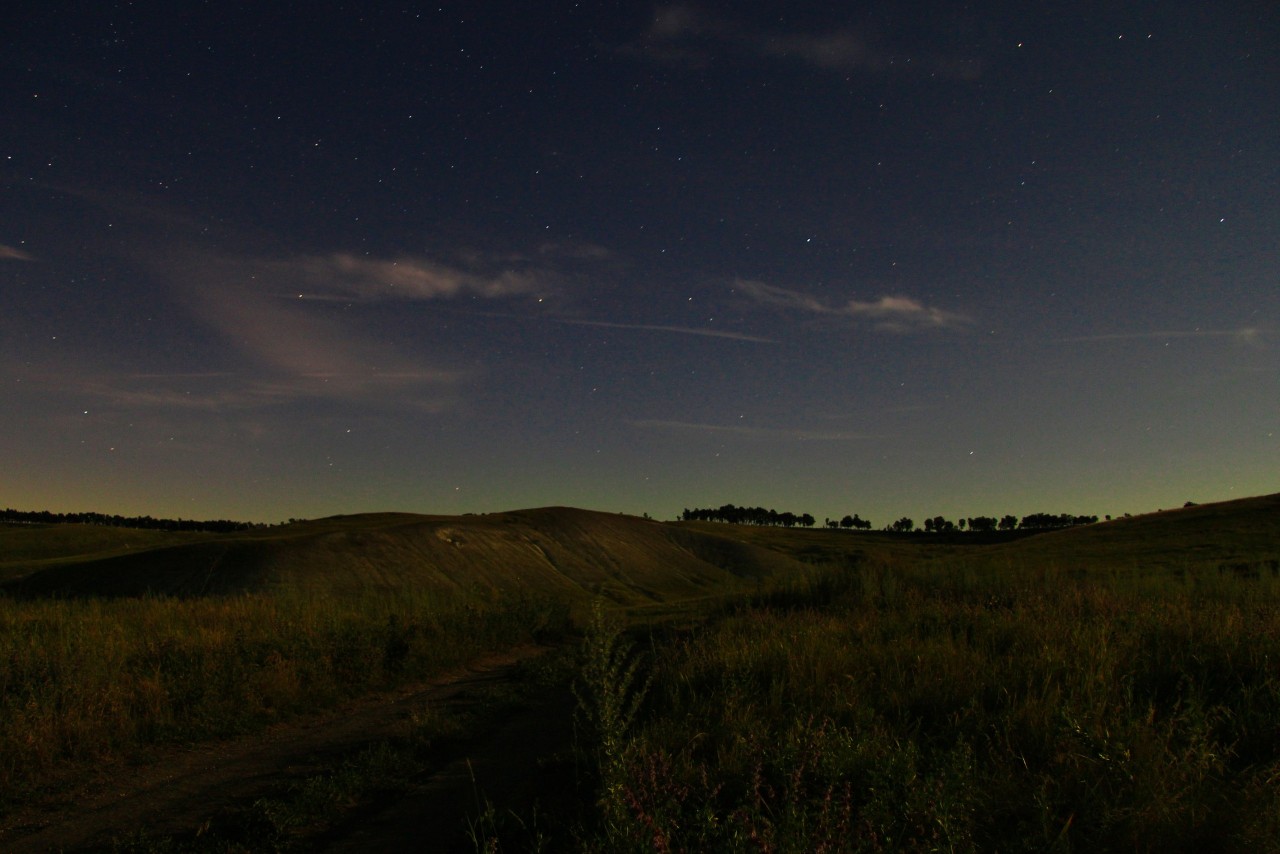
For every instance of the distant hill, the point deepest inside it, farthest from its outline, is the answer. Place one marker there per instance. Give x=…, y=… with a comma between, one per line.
x=25, y=545
x=1225, y=533
x=1241, y=535
x=576, y=554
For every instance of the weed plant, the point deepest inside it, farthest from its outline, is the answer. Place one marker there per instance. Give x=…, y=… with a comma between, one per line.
x=609, y=692
x=960, y=709
x=88, y=680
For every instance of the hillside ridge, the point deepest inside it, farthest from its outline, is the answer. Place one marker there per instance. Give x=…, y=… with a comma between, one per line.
x=575, y=554
x=558, y=551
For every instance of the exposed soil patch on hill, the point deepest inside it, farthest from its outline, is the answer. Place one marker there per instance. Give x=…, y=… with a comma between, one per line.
x=178, y=791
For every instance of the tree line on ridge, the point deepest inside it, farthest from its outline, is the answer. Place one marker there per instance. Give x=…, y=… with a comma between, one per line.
x=734, y=515
x=45, y=517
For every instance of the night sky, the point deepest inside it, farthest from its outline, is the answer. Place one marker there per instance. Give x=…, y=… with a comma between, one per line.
x=261, y=261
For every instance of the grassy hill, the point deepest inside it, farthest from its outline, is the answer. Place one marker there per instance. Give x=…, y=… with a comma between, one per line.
x=24, y=547
x=579, y=554
x=563, y=552
x=1228, y=535
x=1241, y=536
x=1104, y=688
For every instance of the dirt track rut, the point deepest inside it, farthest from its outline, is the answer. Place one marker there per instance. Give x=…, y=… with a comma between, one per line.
x=180, y=790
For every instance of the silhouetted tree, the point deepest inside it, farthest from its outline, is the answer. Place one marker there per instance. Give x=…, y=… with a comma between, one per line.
x=856, y=522
x=746, y=516
x=1050, y=521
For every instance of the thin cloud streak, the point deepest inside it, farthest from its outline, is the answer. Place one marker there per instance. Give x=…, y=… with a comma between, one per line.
x=683, y=35
x=342, y=276
x=888, y=313
x=772, y=295
x=1247, y=335
x=9, y=253
x=679, y=330
x=181, y=375
x=250, y=396
x=237, y=393
x=753, y=432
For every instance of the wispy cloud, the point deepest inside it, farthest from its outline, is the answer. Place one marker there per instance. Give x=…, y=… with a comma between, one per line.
x=841, y=50
x=903, y=314
x=1249, y=335
x=679, y=330
x=686, y=35
x=888, y=313
x=676, y=22
x=131, y=395
x=766, y=433
x=289, y=348
x=345, y=276
x=772, y=295
x=279, y=324
x=227, y=393
x=9, y=253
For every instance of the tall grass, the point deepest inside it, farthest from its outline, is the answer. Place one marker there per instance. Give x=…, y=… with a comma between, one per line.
x=908, y=709
x=92, y=679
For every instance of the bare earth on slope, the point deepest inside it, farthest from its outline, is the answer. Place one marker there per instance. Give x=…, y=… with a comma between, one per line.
x=179, y=790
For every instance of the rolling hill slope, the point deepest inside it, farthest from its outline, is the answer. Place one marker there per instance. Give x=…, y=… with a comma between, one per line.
x=1224, y=534
x=580, y=554
x=1236, y=536
x=575, y=554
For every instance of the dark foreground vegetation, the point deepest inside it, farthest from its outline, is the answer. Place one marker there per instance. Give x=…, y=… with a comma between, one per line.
x=896, y=708
x=1107, y=688
x=99, y=679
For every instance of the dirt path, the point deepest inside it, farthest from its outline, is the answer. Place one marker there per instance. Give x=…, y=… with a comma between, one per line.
x=520, y=769
x=181, y=790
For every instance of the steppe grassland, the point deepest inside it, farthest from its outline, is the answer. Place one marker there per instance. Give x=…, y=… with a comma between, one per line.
x=85, y=679
x=1111, y=688
x=955, y=706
